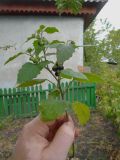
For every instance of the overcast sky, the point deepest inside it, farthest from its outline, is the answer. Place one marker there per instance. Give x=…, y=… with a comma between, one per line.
x=111, y=11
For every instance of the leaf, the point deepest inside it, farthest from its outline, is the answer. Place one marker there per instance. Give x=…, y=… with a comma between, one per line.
x=40, y=29
x=64, y=52
x=37, y=47
x=54, y=93
x=30, y=71
x=93, y=78
x=52, y=109
x=54, y=44
x=82, y=112
x=31, y=37
x=31, y=83
x=13, y=57
x=51, y=30
x=70, y=74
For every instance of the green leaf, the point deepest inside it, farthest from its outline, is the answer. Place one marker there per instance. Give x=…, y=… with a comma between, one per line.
x=37, y=47
x=30, y=71
x=54, y=44
x=52, y=109
x=82, y=111
x=54, y=93
x=70, y=74
x=64, y=52
x=31, y=83
x=93, y=78
x=31, y=37
x=40, y=29
x=13, y=57
x=51, y=30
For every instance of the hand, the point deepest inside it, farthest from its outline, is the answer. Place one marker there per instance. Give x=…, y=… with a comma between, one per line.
x=45, y=141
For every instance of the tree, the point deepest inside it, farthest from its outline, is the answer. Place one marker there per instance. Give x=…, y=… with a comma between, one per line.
x=104, y=44
x=73, y=5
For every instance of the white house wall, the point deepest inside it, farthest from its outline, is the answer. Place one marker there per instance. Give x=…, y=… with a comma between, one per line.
x=15, y=29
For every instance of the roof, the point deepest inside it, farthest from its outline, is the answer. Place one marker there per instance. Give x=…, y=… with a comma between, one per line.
x=46, y=7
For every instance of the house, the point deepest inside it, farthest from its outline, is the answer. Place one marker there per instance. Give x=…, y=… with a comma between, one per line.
x=20, y=18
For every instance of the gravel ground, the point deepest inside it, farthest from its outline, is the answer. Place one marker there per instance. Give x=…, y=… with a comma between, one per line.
x=97, y=141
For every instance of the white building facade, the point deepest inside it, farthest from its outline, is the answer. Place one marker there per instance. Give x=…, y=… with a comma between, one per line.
x=16, y=26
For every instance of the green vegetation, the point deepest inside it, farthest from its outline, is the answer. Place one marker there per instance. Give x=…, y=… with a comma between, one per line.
x=39, y=54
x=106, y=44
x=73, y=5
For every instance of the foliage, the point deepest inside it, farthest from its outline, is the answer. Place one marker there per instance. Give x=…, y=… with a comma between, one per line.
x=106, y=44
x=109, y=93
x=73, y=5
x=38, y=54
x=52, y=109
x=82, y=111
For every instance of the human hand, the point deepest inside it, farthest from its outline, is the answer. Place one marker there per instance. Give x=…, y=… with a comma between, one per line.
x=45, y=141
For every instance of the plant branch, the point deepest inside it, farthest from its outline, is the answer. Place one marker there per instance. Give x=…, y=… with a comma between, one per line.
x=47, y=68
x=59, y=86
x=50, y=81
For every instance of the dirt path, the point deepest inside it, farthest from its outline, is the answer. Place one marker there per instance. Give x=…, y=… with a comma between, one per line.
x=97, y=141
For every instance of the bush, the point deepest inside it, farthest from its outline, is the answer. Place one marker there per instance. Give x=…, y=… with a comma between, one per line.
x=109, y=94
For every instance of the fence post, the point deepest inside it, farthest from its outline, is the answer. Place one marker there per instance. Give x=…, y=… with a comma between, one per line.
x=1, y=104
x=6, y=102
x=93, y=96
x=15, y=109
x=66, y=93
x=88, y=95
x=28, y=98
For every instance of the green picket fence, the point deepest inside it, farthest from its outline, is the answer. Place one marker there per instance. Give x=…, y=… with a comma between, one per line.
x=23, y=102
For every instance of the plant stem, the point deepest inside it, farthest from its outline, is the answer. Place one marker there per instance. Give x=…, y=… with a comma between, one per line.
x=59, y=86
x=47, y=68
x=50, y=81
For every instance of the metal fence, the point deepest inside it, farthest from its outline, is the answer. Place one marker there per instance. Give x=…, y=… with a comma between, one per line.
x=23, y=102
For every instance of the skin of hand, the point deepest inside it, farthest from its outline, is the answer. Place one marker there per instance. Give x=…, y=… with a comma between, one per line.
x=45, y=140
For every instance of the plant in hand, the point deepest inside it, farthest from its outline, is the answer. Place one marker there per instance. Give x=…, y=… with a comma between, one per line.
x=39, y=55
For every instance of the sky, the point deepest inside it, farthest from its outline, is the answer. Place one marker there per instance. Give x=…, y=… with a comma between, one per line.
x=111, y=11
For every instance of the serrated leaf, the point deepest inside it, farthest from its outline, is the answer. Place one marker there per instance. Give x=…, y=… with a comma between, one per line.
x=82, y=112
x=64, y=52
x=52, y=109
x=51, y=30
x=30, y=71
x=13, y=57
x=40, y=29
x=70, y=74
x=31, y=83
x=31, y=37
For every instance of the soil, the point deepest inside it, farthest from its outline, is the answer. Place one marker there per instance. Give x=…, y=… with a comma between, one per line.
x=98, y=140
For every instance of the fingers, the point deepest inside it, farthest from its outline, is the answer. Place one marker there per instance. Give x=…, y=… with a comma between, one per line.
x=36, y=126
x=62, y=141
